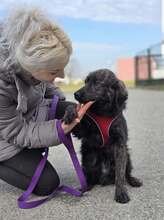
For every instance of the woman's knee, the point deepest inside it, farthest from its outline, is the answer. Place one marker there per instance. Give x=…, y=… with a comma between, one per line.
x=48, y=182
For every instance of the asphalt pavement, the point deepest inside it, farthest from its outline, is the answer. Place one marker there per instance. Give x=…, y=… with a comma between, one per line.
x=145, y=118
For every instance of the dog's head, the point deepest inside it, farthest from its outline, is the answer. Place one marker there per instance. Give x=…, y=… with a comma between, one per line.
x=108, y=92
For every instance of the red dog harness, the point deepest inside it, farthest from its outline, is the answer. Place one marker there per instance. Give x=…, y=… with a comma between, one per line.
x=103, y=123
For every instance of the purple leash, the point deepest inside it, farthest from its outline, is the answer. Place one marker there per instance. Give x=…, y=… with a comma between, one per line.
x=67, y=141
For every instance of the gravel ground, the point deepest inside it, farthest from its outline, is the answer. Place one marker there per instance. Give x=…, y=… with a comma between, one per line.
x=145, y=117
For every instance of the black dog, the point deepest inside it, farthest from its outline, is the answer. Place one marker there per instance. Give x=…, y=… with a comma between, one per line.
x=105, y=158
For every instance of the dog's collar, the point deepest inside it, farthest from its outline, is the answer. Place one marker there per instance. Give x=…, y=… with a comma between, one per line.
x=103, y=123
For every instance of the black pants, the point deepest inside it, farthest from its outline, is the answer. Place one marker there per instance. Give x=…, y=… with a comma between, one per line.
x=18, y=170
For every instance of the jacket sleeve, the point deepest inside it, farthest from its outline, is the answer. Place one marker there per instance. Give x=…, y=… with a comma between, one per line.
x=16, y=130
x=52, y=90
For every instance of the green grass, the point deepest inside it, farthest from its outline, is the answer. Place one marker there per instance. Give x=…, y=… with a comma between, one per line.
x=152, y=87
x=71, y=87
x=130, y=83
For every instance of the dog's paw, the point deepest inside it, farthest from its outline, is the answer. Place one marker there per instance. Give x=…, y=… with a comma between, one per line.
x=134, y=182
x=88, y=188
x=70, y=114
x=121, y=196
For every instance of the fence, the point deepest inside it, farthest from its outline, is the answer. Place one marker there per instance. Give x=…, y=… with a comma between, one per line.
x=149, y=66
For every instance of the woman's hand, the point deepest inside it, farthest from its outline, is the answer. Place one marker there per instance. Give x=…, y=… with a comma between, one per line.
x=81, y=110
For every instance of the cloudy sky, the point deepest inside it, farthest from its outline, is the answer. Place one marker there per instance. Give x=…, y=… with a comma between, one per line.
x=101, y=30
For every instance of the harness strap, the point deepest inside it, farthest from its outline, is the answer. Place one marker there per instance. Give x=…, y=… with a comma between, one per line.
x=67, y=141
x=103, y=123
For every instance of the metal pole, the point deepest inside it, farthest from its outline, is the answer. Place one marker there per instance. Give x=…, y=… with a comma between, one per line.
x=149, y=63
x=136, y=70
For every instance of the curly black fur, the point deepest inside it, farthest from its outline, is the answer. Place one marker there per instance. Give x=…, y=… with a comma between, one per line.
x=109, y=164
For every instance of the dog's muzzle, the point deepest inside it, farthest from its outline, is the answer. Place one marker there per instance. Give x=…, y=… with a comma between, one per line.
x=77, y=95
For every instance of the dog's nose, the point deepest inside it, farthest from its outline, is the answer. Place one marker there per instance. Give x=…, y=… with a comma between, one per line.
x=77, y=95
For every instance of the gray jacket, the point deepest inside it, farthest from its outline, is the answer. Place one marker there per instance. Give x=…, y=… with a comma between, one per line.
x=23, y=115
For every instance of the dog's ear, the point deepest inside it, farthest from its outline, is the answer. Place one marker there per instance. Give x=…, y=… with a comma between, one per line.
x=121, y=93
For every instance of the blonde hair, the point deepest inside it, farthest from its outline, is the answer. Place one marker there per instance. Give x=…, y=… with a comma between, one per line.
x=34, y=42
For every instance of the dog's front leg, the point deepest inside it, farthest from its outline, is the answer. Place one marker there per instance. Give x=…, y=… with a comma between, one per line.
x=121, y=194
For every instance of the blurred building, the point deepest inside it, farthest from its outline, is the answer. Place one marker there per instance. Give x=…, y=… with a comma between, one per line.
x=125, y=69
x=146, y=67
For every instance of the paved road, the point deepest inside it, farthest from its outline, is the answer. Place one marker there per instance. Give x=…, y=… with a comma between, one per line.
x=145, y=116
